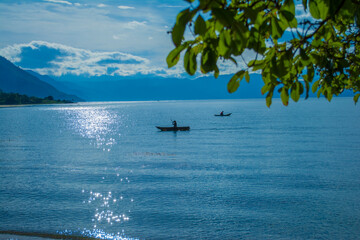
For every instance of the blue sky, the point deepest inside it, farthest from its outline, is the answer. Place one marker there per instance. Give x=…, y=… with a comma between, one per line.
x=97, y=37
x=94, y=38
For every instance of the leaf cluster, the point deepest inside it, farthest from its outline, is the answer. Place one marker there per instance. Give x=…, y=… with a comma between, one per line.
x=322, y=54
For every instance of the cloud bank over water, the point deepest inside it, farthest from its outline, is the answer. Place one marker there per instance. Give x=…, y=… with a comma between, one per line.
x=58, y=59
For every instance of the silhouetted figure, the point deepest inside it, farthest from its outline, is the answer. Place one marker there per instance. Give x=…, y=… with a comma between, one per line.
x=222, y=113
x=174, y=124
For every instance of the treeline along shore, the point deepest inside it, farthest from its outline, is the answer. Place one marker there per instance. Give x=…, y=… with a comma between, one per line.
x=19, y=99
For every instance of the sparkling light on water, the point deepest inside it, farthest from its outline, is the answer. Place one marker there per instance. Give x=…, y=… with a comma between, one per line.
x=95, y=123
x=104, y=204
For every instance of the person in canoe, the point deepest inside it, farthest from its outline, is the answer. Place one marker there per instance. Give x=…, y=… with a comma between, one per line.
x=174, y=124
x=222, y=113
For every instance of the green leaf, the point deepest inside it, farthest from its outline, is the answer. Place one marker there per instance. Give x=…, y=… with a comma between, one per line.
x=234, y=82
x=179, y=28
x=305, y=59
x=269, y=97
x=319, y=93
x=233, y=60
x=328, y=32
x=216, y=72
x=174, y=56
x=348, y=11
x=329, y=94
x=178, y=33
x=289, y=6
x=310, y=73
x=200, y=26
x=284, y=96
x=282, y=66
x=287, y=14
x=314, y=10
x=301, y=91
x=241, y=30
x=259, y=19
x=247, y=76
x=287, y=19
x=240, y=40
x=356, y=98
x=190, y=63
x=307, y=87
x=295, y=91
x=276, y=29
x=226, y=17
x=224, y=43
x=315, y=86
x=265, y=89
x=208, y=60
x=252, y=14
x=187, y=64
x=319, y=9
x=256, y=64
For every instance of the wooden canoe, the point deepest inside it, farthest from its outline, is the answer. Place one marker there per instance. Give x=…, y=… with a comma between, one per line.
x=174, y=128
x=224, y=115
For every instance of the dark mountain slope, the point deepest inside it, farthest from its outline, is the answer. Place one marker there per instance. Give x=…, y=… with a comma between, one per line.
x=14, y=79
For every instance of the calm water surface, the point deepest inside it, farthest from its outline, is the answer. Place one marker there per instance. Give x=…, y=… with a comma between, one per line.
x=103, y=170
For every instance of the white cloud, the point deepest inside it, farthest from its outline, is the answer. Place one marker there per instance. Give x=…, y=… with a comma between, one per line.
x=125, y=7
x=59, y=1
x=135, y=24
x=79, y=61
x=300, y=12
x=76, y=61
x=101, y=5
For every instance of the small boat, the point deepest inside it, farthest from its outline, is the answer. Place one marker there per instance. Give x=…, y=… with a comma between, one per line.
x=223, y=115
x=174, y=128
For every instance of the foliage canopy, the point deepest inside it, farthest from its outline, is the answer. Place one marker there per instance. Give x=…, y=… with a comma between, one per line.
x=321, y=54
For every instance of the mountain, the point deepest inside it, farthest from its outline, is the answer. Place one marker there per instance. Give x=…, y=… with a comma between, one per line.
x=14, y=79
x=57, y=84
x=119, y=88
x=138, y=88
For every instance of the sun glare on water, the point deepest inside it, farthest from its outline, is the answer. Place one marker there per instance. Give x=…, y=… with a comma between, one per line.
x=94, y=123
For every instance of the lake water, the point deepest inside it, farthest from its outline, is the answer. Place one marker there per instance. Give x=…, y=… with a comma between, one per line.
x=103, y=170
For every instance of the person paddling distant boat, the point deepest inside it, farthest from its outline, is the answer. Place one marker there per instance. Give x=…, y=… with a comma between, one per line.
x=222, y=114
x=174, y=127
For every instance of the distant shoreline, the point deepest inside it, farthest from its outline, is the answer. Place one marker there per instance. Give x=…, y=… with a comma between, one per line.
x=29, y=105
x=17, y=105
